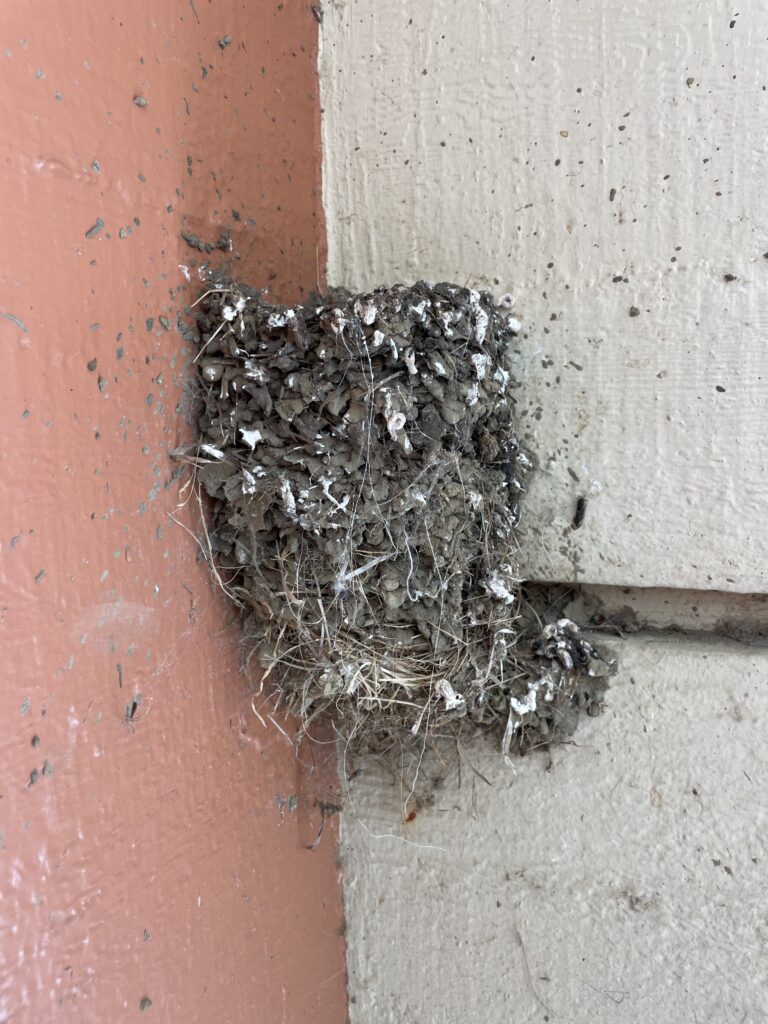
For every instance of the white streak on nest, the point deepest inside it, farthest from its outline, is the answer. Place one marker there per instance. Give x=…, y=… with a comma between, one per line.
x=480, y=316
x=395, y=423
x=289, y=502
x=480, y=362
x=410, y=361
x=249, y=480
x=551, y=686
x=367, y=311
x=501, y=377
x=215, y=453
x=514, y=324
x=481, y=325
x=439, y=369
x=281, y=318
x=498, y=586
x=230, y=312
x=347, y=576
x=378, y=339
x=340, y=506
x=528, y=704
x=254, y=372
x=473, y=394
x=475, y=500
x=452, y=699
x=517, y=709
x=338, y=321
x=250, y=437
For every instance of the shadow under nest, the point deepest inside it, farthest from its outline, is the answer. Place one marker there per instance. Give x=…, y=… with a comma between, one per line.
x=366, y=478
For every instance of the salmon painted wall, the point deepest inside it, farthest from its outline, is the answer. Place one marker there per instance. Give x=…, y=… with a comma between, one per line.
x=153, y=849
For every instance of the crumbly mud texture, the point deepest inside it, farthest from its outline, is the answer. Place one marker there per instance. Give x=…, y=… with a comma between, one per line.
x=366, y=478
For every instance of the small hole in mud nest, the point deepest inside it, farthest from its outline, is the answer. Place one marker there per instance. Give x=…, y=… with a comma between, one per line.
x=366, y=478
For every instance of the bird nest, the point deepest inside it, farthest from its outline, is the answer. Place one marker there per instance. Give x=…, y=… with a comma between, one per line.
x=366, y=477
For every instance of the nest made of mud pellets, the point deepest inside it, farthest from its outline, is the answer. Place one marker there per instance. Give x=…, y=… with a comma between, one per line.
x=366, y=478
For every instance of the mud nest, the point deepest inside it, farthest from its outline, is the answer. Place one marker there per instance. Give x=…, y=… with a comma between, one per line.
x=366, y=478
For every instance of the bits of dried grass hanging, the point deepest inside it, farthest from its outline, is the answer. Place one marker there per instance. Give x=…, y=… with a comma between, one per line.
x=366, y=477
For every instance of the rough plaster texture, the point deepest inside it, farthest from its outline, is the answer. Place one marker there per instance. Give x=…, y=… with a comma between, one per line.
x=625, y=883
x=591, y=157
x=161, y=859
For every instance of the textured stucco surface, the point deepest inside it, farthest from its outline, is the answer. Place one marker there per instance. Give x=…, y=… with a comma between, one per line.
x=625, y=883
x=604, y=163
x=153, y=866
x=591, y=157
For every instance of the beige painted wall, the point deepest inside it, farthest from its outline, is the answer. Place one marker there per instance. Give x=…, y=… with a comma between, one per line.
x=594, y=158
x=625, y=884
x=590, y=157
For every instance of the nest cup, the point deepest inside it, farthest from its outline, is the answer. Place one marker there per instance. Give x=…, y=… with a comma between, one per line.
x=366, y=477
